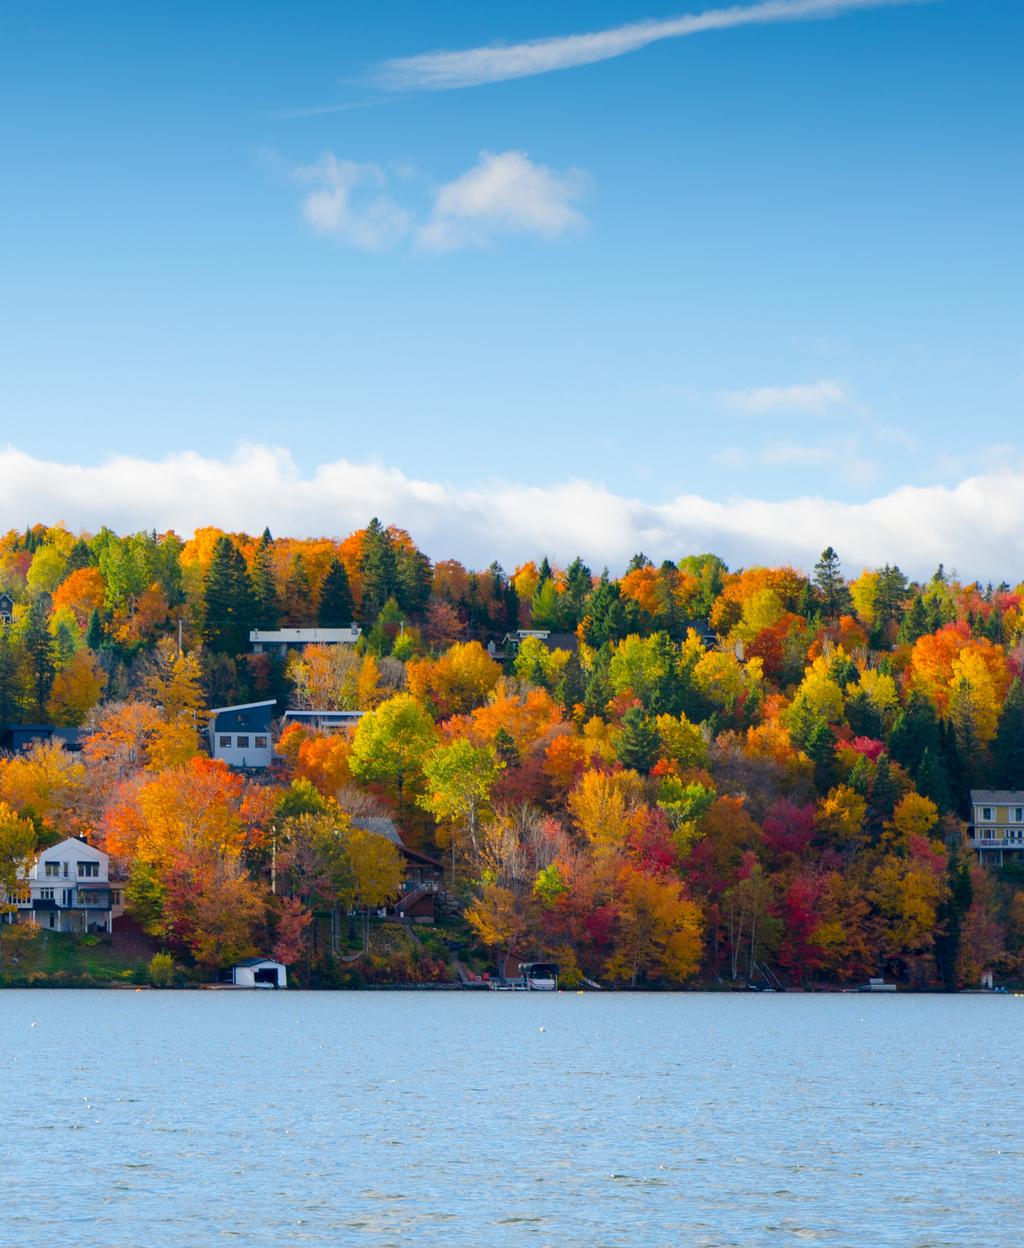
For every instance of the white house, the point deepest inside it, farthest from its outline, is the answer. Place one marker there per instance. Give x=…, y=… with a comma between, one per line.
x=68, y=889
x=279, y=640
x=259, y=973
x=240, y=735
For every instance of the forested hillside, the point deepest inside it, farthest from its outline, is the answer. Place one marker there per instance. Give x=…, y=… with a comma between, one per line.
x=695, y=772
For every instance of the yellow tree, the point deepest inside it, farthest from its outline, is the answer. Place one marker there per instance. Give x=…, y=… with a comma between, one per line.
x=377, y=872
x=659, y=931
x=459, y=777
x=76, y=689
x=176, y=688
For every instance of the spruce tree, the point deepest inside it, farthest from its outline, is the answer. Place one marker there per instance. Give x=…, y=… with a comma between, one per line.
x=335, y=609
x=1008, y=746
x=915, y=623
x=915, y=730
x=41, y=651
x=949, y=926
x=378, y=568
x=81, y=556
x=228, y=600
x=578, y=584
x=930, y=779
x=828, y=578
x=10, y=678
x=94, y=631
x=638, y=743
x=414, y=580
x=267, y=607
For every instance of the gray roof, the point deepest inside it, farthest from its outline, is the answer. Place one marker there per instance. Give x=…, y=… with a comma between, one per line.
x=258, y=962
x=997, y=797
x=381, y=825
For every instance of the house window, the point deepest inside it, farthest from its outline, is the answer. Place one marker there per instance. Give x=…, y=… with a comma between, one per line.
x=260, y=742
x=46, y=894
x=1018, y=815
x=115, y=896
x=242, y=743
x=53, y=920
x=52, y=870
x=67, y=870
x=986, y=812
x=88, y=870
x=69, y=897
x=225, y=743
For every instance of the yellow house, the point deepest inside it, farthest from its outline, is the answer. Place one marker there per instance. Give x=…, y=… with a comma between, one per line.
x=996, y=830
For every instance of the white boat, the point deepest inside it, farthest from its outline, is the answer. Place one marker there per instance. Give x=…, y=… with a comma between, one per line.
x=877, y=985
x=539, y=976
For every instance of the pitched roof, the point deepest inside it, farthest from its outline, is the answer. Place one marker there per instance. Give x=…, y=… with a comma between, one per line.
x=258, y=962
x=242, y=706
x=997, y=797
x=382, y=825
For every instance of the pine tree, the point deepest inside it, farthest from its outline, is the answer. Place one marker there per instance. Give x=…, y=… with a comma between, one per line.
x=930, y=779
x=915, y=730
x=828, y=578
x=605, y=618
x=10, y=678
x=81, y=556
x=638, y=743
x=915, y=623
x=299, y=608
x=890, y=596
x=267, y=607
x=949, y=926
x=863, y=716
x=335, y=609
x=1008, y=746
x=378, y=569
x=885, y=793
x=41, y=651
x=228, y=600
x=578, y=584
x=94, y=631
x=414, y=580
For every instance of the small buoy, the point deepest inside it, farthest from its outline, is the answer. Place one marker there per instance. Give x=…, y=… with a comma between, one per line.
x=540, y=1028
x=34, y=1024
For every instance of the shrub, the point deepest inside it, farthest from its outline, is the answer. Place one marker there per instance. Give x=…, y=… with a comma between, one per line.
x=161, y=970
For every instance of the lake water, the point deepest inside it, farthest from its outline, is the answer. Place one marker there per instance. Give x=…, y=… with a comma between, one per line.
x=159, y=1120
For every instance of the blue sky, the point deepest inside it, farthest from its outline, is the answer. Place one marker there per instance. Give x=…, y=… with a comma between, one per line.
x=777, y=260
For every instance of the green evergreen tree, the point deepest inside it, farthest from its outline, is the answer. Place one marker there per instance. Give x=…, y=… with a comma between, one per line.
x=266, y=604
x=94, y=631
x=828, y=577
x=415, y=580
x=42, y=655
x=599, y=691
x=890, y=596
x=81, y=556
x=930, y=779
x=638, y=743
x=336, y=609
x=578, y=585
x=572, y=687
x=378, y=568
x=885, y=793
x=952, y=910
x=863, y=716
x=916, y=729
x=1008, y=746
x=604, y=619
x=859, y=776
x=227, y=600
x=11, y=691
x=914, y=624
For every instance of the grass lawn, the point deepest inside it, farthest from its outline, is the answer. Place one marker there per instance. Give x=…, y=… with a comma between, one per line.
x=59, y=956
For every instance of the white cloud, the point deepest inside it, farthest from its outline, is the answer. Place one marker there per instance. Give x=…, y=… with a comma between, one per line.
x=503, y=193
x=811, y=398
x=977, y=526
x=442, y=71
x=340, y=205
